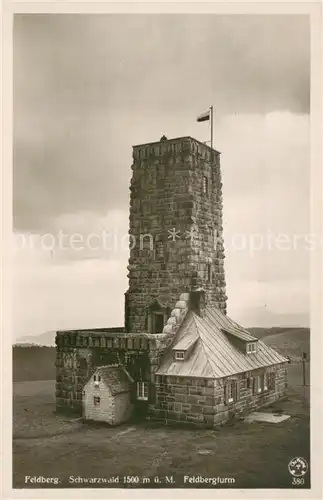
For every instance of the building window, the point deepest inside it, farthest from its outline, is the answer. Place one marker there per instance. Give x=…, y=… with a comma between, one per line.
x=179, y=355
x=251, y=348
x=96, y=400
x=262, y=383
x=142, y=391
x=231, y=392
x=205, y=185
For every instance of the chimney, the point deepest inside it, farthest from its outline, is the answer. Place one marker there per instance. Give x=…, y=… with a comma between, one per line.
x=197, y=302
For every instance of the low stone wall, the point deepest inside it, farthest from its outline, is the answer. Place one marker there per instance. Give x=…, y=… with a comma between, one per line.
x=202, y=401
x=188, y=400
x=79, y=353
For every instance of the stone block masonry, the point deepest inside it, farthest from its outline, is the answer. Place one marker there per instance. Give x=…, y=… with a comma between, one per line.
x=202, y=401
x=79, y=353
x=176, y=186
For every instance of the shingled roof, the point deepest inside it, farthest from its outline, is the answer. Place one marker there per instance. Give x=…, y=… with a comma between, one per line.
x=115, y=377
x=214, y=354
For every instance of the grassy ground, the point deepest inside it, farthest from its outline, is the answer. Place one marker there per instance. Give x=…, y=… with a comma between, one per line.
x=255, y=455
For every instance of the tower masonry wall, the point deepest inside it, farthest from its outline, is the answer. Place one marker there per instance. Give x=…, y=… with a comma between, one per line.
x=175, y=227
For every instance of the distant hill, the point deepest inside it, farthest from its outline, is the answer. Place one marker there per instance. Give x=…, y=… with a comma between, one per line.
x=33, y=363
x=44, y=339
x=48, y=338
x=290, y=342
x=261, y=332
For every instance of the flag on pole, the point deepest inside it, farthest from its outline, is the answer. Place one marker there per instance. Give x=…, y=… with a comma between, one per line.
x=204, y=116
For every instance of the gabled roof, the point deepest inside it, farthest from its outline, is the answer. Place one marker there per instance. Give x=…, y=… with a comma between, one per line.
x=214, y=355
x=115, y=377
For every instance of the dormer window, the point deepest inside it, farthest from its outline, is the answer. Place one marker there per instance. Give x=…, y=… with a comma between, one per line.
x=251, y=347
x=179, y=355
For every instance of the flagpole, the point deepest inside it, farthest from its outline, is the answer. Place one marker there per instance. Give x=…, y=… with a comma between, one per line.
x=211, y=117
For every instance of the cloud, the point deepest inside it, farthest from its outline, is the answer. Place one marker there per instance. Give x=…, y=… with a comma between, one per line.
x=84, y=93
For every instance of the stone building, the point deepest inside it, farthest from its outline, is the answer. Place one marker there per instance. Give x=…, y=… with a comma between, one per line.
x=189, y=362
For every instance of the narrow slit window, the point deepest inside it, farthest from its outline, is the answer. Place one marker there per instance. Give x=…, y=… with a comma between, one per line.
x=160, y=251
x=209, y=273
x=205, y=184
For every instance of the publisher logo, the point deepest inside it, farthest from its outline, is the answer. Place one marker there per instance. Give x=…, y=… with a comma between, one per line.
x=298, y=467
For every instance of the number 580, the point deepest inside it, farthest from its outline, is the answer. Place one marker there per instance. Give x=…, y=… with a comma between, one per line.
x=297, y=481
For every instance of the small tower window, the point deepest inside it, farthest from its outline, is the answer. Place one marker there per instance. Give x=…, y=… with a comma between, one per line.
x=158, y=322
x=160, y=251
x=205, y=185
x=96, y=400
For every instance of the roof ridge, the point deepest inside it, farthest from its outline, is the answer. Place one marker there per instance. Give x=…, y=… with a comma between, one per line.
x=197, y=321
x=207, y=357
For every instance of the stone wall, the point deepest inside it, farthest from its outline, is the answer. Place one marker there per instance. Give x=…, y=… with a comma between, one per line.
x=187, y=400
x=202, y=401
x=79, y=353
x=166, y=195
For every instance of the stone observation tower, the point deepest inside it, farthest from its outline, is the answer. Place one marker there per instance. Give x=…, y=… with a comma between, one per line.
x=175, y=230
x=176, y=250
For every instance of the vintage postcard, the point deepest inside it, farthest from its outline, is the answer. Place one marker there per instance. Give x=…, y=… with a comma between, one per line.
x=163, y=186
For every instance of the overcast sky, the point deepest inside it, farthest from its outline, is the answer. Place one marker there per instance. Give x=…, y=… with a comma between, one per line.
x=88, y=87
